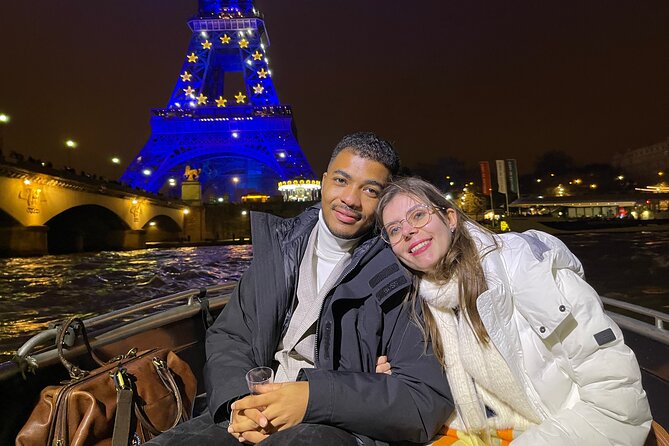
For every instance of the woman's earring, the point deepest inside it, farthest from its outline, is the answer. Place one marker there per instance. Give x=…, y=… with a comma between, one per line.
x=452, y=230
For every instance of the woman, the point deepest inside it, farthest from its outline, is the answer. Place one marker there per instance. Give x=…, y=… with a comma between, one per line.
x=527, y=350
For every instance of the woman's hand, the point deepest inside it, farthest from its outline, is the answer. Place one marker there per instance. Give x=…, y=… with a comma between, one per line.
x=383, y=366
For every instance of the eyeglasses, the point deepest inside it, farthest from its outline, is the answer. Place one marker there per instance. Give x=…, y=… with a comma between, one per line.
x=416, y=218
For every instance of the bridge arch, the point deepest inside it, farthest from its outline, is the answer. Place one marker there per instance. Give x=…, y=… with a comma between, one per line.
x=86, y=228
x=162, y=228
x=256, y=170
x=7, y=220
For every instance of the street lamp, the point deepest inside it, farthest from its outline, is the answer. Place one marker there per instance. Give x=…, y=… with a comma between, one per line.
x=70, y=144
x=235, y=181
x=116, y=160
x=4, y=120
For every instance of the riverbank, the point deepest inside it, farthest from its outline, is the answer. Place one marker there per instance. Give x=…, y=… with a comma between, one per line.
x=189, y=244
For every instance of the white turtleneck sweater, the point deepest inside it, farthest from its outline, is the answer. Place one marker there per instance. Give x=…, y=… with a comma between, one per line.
x=477, y=373
x=329, y=250
x=325, y=259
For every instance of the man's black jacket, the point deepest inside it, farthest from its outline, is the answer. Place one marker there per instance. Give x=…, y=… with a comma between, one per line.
x=364, y=316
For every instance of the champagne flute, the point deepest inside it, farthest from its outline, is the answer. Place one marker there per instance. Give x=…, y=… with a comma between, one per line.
x=259, y=376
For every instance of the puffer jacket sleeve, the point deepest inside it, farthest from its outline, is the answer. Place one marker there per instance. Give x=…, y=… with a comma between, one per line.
x=610, y=405
x=416, y=399
x=229, y=349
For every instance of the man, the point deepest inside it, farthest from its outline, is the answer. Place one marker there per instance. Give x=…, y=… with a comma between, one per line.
x=320, y=302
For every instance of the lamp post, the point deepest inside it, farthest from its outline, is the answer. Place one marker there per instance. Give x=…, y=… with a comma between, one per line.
x=116, y=161
x=70, y=145
x=4, y=120
x=235, y=181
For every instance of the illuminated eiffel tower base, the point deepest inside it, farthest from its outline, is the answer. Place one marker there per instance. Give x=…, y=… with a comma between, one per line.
x=242, y=143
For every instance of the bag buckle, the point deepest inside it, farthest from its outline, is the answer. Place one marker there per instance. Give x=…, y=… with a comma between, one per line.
x=120, y=378
x=159, y=363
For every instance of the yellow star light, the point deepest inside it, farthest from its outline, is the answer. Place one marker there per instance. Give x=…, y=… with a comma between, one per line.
x=258, y=89
x=192, y=58
x=262, y=74
x=243, y=43
x=186, y=76
x=241, y=97
x=220, y=102
x=189, y=91
x=206, y=45
x=257, y=55
x=202, y=99
x=225, y=39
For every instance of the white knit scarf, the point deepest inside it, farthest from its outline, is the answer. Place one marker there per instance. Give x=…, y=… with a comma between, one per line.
x=468, y=360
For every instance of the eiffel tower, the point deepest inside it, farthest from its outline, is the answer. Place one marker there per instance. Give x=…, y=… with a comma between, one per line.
x=241, y=140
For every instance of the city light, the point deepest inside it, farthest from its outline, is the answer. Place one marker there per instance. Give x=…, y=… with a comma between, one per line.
x=116, y=160
x=235, y=180
x=186, y=211
x=71, y=144
x=26, y=182
x=244, y=213
x=220, y=199
x=4, y=119
x=153, y=223
x=146, y=172
x=135, y=201
x=235, y=135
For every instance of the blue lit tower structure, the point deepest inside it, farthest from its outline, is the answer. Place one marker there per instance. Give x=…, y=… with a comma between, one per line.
x=242, y=140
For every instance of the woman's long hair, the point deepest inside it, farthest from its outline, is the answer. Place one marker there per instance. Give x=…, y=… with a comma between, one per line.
x=461, y=262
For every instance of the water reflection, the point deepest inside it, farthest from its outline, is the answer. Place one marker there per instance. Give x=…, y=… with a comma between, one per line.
x=36, y=291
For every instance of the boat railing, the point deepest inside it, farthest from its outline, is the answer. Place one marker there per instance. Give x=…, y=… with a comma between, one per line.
x=632, y=319
x=635, y=320
x=190, y=296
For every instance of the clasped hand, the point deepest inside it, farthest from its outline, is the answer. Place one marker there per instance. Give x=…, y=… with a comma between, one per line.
x=275, y=408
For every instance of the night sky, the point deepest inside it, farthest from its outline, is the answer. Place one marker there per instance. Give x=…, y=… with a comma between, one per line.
x=469, y=79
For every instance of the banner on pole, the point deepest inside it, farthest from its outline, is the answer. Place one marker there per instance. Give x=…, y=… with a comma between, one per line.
x=485, y=177
x=501, y=176
x=512, y=175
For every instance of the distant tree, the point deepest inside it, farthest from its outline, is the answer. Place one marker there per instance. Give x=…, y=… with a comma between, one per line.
x=444, y=171
x=553, y=162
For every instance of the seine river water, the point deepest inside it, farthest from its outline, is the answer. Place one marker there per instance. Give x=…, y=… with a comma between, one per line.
x=35, y=291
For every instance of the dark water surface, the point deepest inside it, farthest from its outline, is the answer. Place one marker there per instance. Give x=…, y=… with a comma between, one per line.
x=35, y=291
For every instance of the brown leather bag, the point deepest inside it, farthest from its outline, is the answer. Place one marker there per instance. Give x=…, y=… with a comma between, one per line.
x=658, y=436
x=128, y=401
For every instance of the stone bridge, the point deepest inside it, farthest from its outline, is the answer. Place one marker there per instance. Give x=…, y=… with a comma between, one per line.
x=45, y=210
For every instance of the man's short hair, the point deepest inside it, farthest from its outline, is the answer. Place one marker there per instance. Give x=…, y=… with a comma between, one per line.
x=369, y=145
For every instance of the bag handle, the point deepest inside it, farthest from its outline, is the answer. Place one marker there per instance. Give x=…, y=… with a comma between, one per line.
x=74, y=322
x=165, y=375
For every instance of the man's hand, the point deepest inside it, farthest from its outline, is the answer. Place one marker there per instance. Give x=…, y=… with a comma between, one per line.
x=383, y=366
x=284, y=405
x=248, y=425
